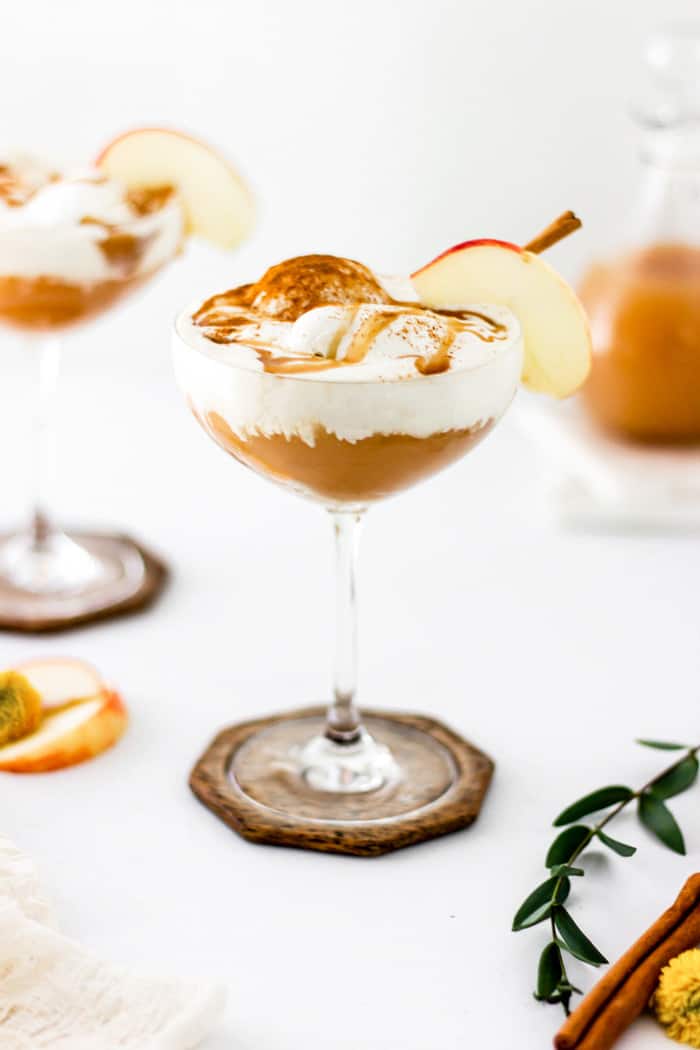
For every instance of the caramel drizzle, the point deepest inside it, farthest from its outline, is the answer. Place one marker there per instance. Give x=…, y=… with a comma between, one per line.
x=277, y=365
x=365, y=335
x=440, y=360
x=125, y=251
x=121, y=249
x=13, y=191
x=223, y=328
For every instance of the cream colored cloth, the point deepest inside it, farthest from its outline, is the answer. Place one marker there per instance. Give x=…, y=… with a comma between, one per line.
x=54, y=995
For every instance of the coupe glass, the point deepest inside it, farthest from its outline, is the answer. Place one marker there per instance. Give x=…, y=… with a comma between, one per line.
x=46, y=574
x=344, y=766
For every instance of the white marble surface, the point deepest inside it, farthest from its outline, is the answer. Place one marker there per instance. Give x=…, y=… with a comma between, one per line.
x=552, y=651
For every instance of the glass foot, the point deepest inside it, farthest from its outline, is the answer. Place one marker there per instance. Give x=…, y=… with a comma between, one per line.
x=363, y=765
x=66, y=577
x=58, y=565
x=393, y=771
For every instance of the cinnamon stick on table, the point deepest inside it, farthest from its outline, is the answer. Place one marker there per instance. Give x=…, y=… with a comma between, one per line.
x=624, y=992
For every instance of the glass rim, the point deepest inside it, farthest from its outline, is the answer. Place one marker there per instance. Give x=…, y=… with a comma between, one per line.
x=510, y=345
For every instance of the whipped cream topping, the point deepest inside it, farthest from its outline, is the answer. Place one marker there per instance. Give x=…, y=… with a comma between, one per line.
x=373, y=361
x=319, y=315
x=64, y=226
x=377, y=341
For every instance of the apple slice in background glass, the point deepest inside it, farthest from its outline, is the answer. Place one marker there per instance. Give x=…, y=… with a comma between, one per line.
x=111, y=230
x=80, y=717
x=217, y=204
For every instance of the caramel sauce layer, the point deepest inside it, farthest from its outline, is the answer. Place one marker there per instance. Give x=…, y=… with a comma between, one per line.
x=292, y=288
x=645, y=313
x=337, y=471
x=46, y=303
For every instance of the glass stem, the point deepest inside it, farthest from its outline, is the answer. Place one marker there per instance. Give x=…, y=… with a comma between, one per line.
x=343, y=724
x=47, y=351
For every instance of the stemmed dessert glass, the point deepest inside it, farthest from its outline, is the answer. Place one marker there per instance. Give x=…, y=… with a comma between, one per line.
x=71, y=247
x=44, y=572
x=343, y=766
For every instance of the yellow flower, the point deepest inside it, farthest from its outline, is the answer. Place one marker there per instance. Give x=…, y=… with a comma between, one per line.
x=20, y=707
x=676, y=1000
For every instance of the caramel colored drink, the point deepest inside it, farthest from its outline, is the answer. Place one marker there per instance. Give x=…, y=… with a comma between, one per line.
x=346, y=387
x=645, y=318
x=340, y=385
x=72, y=245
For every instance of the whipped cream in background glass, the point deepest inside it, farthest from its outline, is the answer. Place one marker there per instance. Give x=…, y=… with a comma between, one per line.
x=72, y=245
x=54, y=224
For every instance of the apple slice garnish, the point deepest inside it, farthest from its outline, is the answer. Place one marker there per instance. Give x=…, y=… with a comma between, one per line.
x=554, y=325
x=67, y=736
x=216, y=202
x=61, y=681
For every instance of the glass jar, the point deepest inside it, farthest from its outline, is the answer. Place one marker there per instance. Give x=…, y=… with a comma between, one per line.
x=644, y=299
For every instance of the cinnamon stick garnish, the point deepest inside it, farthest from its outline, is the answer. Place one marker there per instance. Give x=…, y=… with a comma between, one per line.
x=565, y=224
x=625, y=990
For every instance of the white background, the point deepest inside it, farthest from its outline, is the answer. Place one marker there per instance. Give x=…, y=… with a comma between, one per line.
x=384, y=131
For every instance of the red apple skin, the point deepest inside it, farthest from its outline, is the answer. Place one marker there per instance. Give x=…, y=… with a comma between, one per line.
x=94, y=736
x=225, y=229
x=469, y=244
x=161, y=131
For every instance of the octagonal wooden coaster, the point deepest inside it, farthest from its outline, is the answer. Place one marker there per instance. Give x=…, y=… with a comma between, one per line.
x=29, y=614
x=265, y=800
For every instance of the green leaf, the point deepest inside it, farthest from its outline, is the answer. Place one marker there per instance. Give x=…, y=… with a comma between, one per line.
x=678, y=779
x=566, y=844
x=565, y=948
x=566, y=869
x=575, y=939
x=662, y=745
x=657, y=817
x=600, y=799
x=562, y=891
x=538, y=905
x=535, y=918
x=616, y=846
x=549, y=971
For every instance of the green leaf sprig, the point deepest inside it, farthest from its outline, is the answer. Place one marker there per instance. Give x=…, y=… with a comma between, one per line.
x=546, y=902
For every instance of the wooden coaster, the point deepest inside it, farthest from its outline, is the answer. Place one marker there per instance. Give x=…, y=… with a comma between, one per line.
x=261, y=799
x=31, y=614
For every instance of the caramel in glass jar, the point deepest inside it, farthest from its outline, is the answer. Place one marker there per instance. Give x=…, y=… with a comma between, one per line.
x=645, y=319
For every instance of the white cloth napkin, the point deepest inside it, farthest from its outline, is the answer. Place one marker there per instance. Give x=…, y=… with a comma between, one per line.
x=54, y=995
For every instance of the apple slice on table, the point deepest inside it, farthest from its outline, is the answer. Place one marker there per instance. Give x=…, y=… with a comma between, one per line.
x=60, y=681
x=80, y=717
x=67, y=735
x=217, y=204
x=554, y=325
